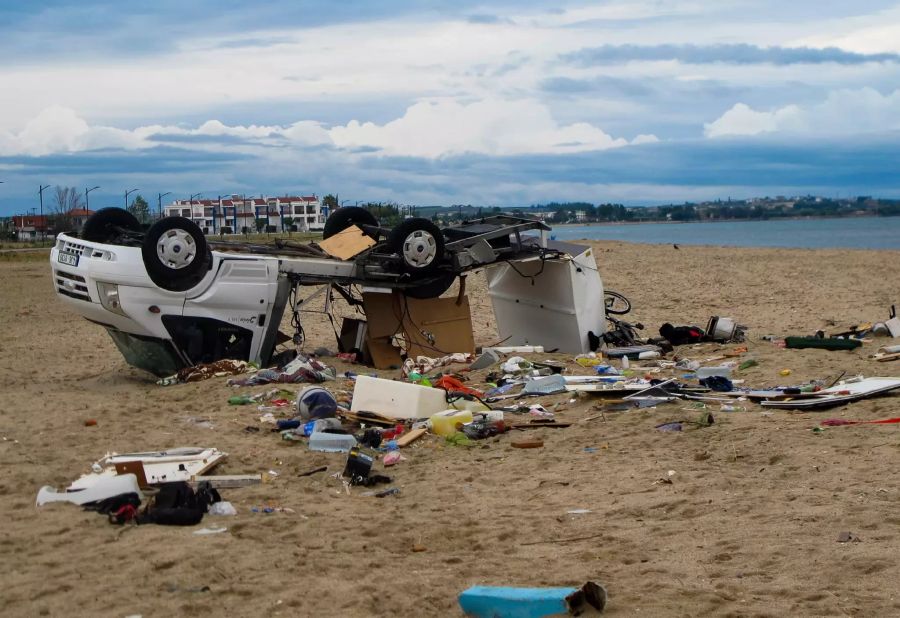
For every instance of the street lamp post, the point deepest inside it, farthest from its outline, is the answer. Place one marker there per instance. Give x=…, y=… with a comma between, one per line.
x=191, y=200
x=159, y=201
x=127, y=193
x=41, y=197
x=87, y=202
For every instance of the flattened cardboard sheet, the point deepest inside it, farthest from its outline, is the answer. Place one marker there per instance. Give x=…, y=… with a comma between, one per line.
x=432, y=327
x=348, y=243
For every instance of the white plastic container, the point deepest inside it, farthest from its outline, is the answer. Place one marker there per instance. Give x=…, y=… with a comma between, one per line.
x=396, y=399
x=331, y=442
x=721, y=371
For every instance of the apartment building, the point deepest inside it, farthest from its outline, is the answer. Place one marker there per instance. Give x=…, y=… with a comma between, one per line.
x=236, y=214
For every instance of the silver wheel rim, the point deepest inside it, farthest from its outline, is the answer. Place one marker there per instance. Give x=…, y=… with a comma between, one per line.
x=419, y=249
x=176, y=249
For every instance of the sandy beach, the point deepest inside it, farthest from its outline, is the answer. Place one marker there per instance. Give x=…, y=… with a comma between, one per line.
x=748, y=525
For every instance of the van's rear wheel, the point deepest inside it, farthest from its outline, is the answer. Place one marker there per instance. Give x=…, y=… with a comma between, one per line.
x=175, y=254
x=342, y=218
x=103, y=226
x=420, y=245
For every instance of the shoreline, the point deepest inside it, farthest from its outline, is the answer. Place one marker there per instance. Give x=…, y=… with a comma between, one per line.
x=808, y=218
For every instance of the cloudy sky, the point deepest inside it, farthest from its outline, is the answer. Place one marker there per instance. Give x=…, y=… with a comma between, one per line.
x=443, y=102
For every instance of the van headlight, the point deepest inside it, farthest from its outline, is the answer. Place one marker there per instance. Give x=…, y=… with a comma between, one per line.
x=109, y=297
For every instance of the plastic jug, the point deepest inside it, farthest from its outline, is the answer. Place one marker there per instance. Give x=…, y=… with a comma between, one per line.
x=445, y=423
x=472, y=405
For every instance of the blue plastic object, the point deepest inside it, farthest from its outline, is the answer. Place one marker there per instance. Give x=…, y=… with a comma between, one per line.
x=503, y=602
x=287, y=424
x=498, y=602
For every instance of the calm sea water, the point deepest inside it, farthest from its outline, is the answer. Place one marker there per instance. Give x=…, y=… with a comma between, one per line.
x=856, y=233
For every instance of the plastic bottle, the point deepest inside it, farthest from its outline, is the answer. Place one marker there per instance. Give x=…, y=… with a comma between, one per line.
x=321, y=424
x=484, y=426
x=309, y=428
x=445, y=423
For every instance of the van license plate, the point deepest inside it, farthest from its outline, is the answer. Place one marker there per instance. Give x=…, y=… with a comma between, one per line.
x=68, y=258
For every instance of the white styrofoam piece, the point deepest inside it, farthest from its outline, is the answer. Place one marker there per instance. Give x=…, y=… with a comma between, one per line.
x=100, y=487
x=396, y=399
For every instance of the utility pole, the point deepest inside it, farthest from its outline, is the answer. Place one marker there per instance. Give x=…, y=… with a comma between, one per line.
x=159, y=201
x=127, y=193
x=41, y=197
x=191, y=200
x=87, y=203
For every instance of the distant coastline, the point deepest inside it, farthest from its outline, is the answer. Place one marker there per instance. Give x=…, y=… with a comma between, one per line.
x=653, y=222
x=877, y=233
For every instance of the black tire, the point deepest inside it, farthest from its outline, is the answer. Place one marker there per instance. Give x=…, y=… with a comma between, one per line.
x=420, y=245
x=342, y=218
x=616, y=304
x=101, y=226
x=175, y=254
x=432, y=289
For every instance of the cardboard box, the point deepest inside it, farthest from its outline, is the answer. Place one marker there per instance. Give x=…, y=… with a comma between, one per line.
x=431, y=327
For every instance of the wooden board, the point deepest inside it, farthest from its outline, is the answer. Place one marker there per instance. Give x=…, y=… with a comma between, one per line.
x=410, y=437
x=840, y=394
x=133, y=467
x=370, y=418
x=348, y=243
x=766, y=395
x=230, y=480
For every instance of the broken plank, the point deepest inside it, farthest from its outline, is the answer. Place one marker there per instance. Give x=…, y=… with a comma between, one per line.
x=408, y=438
x=230, y=480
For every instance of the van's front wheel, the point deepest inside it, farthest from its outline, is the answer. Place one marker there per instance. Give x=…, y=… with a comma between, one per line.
x=175, y=254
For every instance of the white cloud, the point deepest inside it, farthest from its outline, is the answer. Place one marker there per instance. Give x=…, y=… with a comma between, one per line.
x=876, y=32
x=491, y=126
x=843, y=112
x=743, y=120
x=59, y=129
x=645, y=138
x=427, y=129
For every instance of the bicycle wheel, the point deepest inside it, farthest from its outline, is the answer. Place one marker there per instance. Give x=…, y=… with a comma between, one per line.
x=616, y=303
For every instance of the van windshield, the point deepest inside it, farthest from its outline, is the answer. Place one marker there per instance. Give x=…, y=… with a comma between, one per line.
x=158, y=356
